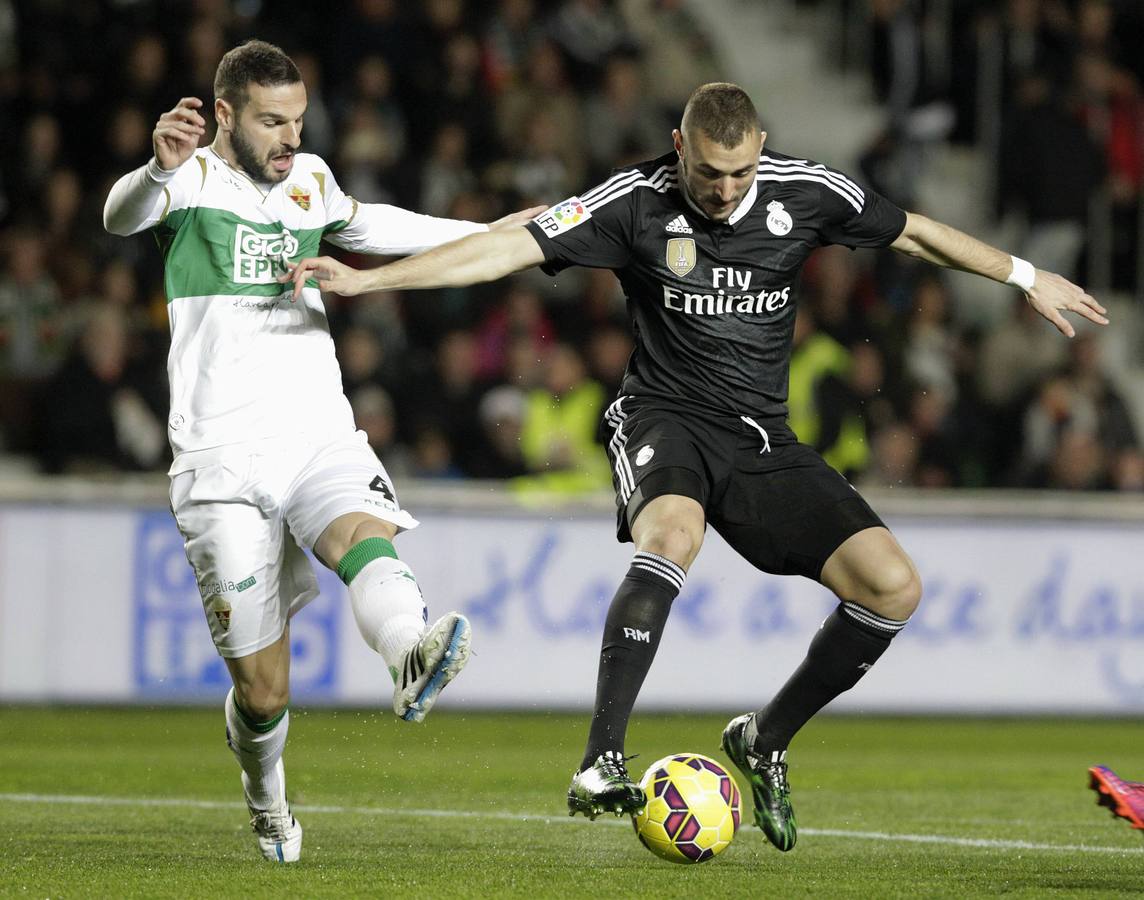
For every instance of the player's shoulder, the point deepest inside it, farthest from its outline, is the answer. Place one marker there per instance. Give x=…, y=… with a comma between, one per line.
x=311, y=171
x=194, y=170
x=810, y=177
x=651, y=167
x=651, y=177
x=769, y=156
x=310, y=162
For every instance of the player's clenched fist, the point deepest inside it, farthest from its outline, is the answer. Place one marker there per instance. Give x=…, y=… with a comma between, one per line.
x=177, y=133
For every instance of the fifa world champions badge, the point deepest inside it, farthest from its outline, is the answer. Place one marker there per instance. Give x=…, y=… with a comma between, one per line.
x=680, y=255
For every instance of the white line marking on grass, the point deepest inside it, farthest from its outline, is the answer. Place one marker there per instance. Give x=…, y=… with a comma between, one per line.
x=884, y=836
x=949, y=841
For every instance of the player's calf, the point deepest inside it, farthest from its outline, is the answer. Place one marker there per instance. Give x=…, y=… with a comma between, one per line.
x=258, y=745
x=391, y=615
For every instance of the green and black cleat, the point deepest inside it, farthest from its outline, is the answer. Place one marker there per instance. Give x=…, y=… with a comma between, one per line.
x=769, y=787
x=605, y=786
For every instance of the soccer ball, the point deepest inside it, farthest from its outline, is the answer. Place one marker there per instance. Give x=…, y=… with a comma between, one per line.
x=692, y=810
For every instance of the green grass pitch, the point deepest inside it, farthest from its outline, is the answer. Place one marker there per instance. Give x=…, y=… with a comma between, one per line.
x=146, y=803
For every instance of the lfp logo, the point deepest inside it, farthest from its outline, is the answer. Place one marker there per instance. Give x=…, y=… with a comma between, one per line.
x=570, y=212
x=174, y=654
x=559, y=218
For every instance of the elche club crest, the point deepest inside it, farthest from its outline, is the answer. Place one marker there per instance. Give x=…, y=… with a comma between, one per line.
x=779, y=221
x=299, y=195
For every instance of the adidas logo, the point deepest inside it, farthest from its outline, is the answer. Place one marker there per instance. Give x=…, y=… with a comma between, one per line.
x=413, y=668
x=678, y=225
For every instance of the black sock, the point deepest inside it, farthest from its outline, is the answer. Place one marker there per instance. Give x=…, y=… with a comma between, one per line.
x=631, y=636
x=845, y=647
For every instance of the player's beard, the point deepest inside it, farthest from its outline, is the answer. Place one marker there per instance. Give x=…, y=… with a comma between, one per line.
x=708, y=203
x=247, y=159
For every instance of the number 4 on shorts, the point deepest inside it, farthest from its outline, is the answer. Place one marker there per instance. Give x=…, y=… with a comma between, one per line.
x=380, y=484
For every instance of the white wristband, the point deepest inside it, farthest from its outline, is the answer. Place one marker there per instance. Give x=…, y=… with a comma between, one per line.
x=1023, y=275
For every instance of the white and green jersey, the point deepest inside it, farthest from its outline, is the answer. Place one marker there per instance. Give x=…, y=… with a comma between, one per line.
x=247, y=363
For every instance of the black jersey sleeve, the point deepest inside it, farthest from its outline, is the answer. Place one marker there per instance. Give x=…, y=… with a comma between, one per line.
x=582, y=233
x=858, y=217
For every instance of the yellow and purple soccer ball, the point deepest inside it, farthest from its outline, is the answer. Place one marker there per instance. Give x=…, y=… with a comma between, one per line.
x=693, y=808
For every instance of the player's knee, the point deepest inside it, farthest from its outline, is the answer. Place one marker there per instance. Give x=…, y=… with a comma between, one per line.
x=263, y=702
x=677, y=541
x=894, y=590
x=347, y=531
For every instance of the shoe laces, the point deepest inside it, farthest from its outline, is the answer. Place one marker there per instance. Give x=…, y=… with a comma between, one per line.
x=776, y=775
x=613, y=766
x=271, y=826
x=773, y=772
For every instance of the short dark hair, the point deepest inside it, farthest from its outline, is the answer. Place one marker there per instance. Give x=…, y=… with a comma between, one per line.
x=722, y=111
x=256, y=62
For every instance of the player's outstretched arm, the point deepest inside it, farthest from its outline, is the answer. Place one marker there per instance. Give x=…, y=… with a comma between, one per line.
x=1048, y=293
x=136, y=200
x=477, y=258
x=520, y=217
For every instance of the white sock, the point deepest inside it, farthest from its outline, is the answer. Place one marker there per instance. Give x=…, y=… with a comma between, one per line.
x=388, y=608
x=258, y=753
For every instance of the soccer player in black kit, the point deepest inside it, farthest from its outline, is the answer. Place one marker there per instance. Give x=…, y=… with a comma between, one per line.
x=708, y=241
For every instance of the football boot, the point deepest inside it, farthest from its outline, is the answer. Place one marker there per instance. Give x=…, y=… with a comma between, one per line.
x=605, y=786
x=767, y=774
x=1124, y=798
x=429, y=665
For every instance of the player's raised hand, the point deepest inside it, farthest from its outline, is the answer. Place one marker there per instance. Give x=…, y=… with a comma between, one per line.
x=331, y=275
x=1051, y=293
x=517, y=218
x=177, y=133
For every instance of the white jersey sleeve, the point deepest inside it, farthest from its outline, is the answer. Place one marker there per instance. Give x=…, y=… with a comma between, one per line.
x=142, y=198
x=381, y=229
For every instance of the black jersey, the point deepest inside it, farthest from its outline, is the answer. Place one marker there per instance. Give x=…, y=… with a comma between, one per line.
x=712, y=304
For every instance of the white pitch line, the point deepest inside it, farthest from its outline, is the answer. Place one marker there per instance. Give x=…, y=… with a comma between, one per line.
x=884, y=836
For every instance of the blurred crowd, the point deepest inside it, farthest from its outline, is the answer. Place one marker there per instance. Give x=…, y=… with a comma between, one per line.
x=471, y=109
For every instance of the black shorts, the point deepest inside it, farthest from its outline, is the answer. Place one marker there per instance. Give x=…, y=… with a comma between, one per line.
x=774, y=500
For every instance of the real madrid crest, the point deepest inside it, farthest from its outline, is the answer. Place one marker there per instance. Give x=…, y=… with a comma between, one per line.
x=299, y=195
x=778, y=219
x=681, y=255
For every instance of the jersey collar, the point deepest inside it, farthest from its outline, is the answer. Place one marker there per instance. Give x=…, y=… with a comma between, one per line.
x=741, y=210
x=263, y=187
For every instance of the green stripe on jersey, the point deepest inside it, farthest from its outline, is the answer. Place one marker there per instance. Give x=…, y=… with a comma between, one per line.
x=212, y=251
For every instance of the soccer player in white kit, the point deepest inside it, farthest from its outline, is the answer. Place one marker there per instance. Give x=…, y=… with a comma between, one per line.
x=266, y=456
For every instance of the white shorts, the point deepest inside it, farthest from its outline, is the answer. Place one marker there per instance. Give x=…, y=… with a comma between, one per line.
x=246, y=518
